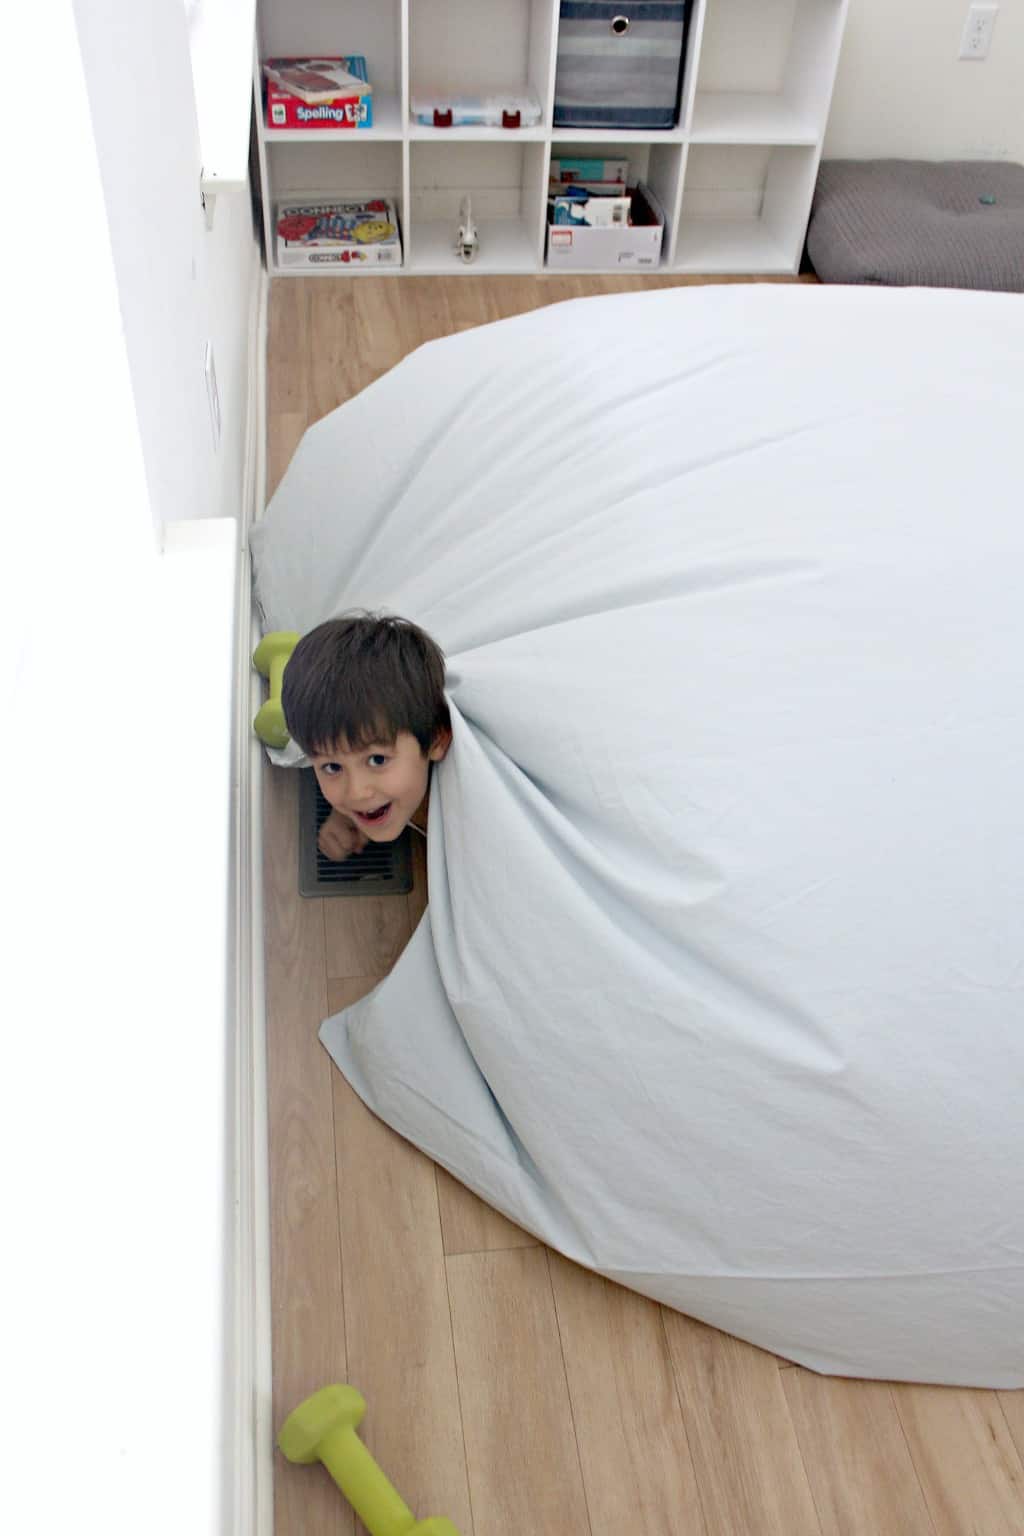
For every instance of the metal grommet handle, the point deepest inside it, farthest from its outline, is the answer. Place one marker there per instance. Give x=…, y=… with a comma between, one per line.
x=620, y=25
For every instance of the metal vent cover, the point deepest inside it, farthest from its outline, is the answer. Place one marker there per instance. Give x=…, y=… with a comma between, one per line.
x=382, y=869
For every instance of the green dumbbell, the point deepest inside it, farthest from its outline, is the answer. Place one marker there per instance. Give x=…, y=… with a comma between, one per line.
x=323, y=1428
x=270, y=658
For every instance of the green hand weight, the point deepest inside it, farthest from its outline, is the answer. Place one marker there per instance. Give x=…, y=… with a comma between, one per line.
x=323, y=1428
x=270, y=658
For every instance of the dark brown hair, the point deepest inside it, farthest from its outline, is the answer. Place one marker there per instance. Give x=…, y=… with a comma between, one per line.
x=362, y=678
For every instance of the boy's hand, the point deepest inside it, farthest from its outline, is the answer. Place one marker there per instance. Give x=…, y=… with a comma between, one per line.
x=339, y=838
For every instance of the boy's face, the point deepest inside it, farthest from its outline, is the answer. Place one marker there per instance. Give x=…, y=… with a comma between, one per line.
x=381, y=786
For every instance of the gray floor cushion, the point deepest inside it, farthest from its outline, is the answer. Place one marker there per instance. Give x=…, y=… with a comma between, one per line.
x=920, y=223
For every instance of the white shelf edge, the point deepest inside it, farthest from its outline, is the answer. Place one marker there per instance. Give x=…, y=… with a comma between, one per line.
x=573, y=272
x=617, y=136
x=355, y=272
x=417, y=132
x=331, y=136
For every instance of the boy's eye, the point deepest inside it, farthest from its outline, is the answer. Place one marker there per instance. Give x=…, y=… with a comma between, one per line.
x=377, y=759
x=330, y=770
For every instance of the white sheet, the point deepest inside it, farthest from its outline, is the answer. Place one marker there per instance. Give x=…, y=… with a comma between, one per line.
x=720, y=988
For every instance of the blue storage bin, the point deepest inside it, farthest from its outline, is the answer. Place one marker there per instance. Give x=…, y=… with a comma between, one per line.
x=619, y=66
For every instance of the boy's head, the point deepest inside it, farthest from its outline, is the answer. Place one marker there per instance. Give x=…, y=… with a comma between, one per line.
x=363, y=696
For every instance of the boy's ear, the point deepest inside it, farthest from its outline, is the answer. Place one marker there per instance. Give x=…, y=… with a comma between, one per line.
x=440, y=744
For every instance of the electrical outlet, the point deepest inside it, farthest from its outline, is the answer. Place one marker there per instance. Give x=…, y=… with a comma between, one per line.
x=976, y=39
x=213, y=394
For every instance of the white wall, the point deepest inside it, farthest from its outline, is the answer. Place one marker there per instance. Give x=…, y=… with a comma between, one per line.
x=902, y=92
x=179, y=283
x=116, y=1087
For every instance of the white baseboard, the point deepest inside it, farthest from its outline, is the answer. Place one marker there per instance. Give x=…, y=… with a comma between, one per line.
x=250, y=1390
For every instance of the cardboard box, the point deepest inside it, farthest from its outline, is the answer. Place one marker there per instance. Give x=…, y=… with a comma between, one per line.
x=594, y=250
x=353, y=234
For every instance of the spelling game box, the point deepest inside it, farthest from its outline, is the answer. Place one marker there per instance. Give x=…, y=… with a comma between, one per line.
x=318, y=93
x=357, y=234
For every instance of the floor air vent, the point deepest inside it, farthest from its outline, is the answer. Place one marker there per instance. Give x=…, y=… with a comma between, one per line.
x=382, y=869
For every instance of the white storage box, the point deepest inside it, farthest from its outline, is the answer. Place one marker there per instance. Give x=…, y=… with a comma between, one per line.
x=514, y=109
x=579, y=249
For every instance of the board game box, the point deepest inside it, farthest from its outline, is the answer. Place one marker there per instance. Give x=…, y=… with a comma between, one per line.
x=319, y=93
x=356, y=234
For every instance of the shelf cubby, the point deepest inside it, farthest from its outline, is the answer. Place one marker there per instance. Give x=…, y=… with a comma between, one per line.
x=657, y=162
x=763, y=71
x=304, y=28
x=744, y=203
x=341, y=167
x=507, y=184
x=472, y=47
x=587, y=138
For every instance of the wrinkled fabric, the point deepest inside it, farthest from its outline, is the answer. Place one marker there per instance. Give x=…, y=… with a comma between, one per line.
x=720, y=990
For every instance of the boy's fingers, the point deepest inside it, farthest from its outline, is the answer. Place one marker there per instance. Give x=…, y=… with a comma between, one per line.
x=333, y=846
x=338, y=838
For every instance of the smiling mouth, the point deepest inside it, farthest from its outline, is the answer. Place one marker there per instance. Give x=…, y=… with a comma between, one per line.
x=370, y=817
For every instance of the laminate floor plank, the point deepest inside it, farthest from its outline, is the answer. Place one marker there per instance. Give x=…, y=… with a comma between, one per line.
x=1012, y=1404
x=745, y=1451
x=288, y=350
x=860, y=1470
x=307, y=1310
x=966, y=1459
x=634, y=1450
x=397, y=1313
x=470, y=1226
x=284, y=433
x=524, y=1470
x=364, y=934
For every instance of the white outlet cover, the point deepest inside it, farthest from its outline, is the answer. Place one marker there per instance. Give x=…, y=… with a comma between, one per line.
x=976, y=38
x=213, y=393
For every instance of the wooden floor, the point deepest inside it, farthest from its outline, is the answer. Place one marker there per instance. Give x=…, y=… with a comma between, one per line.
x=508, y=1389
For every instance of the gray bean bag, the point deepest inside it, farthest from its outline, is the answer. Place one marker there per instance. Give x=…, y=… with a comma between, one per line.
x=919, y=223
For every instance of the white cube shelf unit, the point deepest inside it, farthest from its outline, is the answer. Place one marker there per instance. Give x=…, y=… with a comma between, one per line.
x=735, y=176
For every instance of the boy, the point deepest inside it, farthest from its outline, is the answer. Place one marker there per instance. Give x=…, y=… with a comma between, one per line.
x=363, y=696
